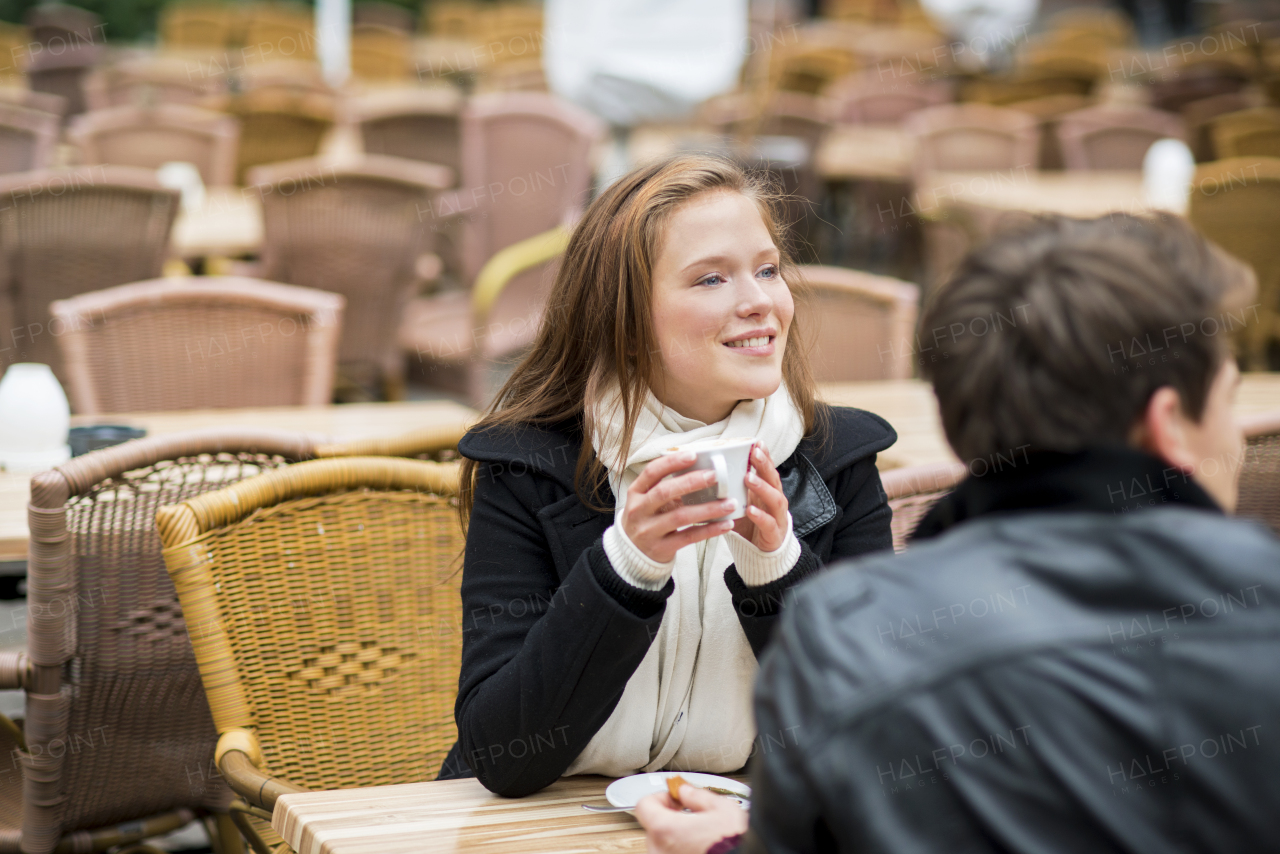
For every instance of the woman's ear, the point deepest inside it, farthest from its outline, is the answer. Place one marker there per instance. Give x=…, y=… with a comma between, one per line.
x=1161, y=431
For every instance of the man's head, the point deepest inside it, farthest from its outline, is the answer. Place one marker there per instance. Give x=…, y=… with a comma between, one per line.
x=1073, y=334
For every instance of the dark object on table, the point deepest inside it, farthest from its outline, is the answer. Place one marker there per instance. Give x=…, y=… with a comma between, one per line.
x=86, y=439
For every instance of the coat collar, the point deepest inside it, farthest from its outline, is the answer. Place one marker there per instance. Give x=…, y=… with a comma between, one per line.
x=1100, y=480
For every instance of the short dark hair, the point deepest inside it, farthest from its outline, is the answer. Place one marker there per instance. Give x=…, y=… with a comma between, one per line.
x=1055, y=336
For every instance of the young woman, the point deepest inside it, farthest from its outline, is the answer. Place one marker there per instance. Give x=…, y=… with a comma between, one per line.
x=608, y=628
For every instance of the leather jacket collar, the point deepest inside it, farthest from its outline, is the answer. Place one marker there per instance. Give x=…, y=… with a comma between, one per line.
x=1100, y=480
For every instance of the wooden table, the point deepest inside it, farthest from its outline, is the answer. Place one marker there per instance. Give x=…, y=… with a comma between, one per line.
x=912, y=409
x=349, y=421
x=229, y=223
x=1076, y=194
x=455, y=815
x=864, y=153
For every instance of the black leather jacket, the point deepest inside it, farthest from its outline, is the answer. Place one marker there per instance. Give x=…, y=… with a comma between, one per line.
x=551, y=634
x=1081, y=657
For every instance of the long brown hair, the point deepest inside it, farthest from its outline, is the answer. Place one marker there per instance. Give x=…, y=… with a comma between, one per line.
x=598, y=322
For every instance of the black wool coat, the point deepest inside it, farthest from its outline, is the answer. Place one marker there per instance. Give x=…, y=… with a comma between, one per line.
x=552, y=634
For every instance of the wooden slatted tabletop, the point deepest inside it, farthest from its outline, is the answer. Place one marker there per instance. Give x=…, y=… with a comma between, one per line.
x=455, y=815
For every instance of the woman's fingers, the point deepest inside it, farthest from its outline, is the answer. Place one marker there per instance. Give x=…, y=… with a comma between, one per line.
x=659, y=468
x=763, y=465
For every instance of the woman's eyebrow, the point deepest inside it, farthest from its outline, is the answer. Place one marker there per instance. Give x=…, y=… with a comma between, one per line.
x=713, y=260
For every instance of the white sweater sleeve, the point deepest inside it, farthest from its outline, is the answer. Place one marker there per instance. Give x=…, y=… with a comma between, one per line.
x=757, y=567
x=634, y=566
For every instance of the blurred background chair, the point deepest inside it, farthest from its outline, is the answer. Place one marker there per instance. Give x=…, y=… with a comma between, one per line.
x=862, y=98
x=1260, y=474
x=355, y=684
x=74, y=41
x=419, y=124
x=278, y=125
x=972, y=138
x=356, y=229
x=1107, y=137
x=206, y=342
x=28, y=138
x=913, y=491
x=151, y=136
x=198, y=25
x=1248, y=133
x=1199, y=116
x=42, y=102
x=859, y=326
x=15, y=50
x=380, y=53
x=1236, y=204
x=150, y=82
x=109, y=665
x=1173, y=89
x=59, y=25
x=468, y=341
x=274, y=31
x=70, y=231
x=383, y=14
x=536, y=150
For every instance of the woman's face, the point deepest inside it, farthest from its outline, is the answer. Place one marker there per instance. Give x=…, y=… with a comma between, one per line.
x=721, y=310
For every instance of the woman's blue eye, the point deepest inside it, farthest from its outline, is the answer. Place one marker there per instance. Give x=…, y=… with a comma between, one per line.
x=769, y=271
x=712, y=280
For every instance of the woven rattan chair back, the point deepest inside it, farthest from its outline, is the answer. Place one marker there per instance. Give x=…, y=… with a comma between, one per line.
x=1248, y=133
x=70, y=231
x=913, y=491
x=380, y=53
x=40, y=101
x=148, y=137
x=865, y=99
x=1236, y=204
x=356, y=230
x=151, y=82
x=198, y=25
x=14, y=43
x=383, y=14
x=972, y=138
x=27, y=138
x=537, y=149
x=279, y=31
x=1260, y=474
x=1200, y=115
x=277, y=125
x=324, y=606
x=110, y=661
x=208, y=343
x=1114, y=138
x=418, y=124
x=861, y=325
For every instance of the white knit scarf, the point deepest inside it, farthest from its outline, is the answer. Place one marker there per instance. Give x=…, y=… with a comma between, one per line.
x=688, y=704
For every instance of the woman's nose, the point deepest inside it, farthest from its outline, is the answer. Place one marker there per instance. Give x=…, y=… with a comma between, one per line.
x=754, y=299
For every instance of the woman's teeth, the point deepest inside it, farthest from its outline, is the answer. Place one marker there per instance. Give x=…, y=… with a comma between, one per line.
x=750, y=342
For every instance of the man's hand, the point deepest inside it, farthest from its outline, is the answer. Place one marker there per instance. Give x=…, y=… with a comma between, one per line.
x=673, y=831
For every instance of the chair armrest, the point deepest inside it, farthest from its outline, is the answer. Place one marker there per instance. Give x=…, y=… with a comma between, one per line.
x=508, y=263
x=239, y=758
x=15, y=671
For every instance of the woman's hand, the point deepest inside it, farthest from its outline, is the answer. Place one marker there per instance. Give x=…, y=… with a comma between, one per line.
x=673, y=831
x=766, y=521
x=654, y=512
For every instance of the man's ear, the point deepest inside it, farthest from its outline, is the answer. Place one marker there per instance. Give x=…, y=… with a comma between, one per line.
x=1162, y=430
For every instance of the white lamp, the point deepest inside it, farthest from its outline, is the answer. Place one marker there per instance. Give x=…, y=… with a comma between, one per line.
x=34, y=419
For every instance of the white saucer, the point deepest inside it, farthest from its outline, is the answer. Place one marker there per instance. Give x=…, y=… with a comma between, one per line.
x=627, y=791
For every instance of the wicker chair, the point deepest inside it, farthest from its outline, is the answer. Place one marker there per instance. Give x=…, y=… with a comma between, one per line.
x=199, y=24
x=150, y=136
x=40, y=101
x=357, y=230
x=1195, y=81
x=326, y=619
x=383, y=14
x=1249, y=133
x=73, y=40
x=1199, y=116
x=69, y=231
x=536, y=149
x=279, y=31
x=972, y=138
x=150, y=82
x=380, y=53
x=64, y=74
x=108, y=659
x=912, y=491
x=420, y=124
x=277, y=126
x=866, y=100
x=1236, y=203
x=1260, y=474
x=1109, y=137
x=205, y=343
x=479, y=331
x=860, y=325
x=15, y=41
x=27, y=138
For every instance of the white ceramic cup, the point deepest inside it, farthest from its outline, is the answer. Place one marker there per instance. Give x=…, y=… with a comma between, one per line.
x=729, y=459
